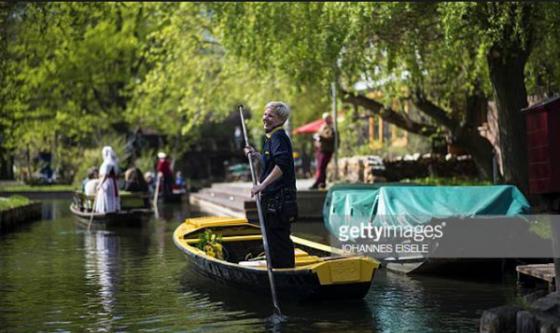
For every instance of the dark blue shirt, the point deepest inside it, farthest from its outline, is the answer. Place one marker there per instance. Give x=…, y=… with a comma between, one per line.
x=277, y=150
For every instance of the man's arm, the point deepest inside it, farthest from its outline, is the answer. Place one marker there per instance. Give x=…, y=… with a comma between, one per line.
x=275, y=174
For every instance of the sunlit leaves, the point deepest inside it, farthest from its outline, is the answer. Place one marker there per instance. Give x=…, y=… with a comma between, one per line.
x=70, y=64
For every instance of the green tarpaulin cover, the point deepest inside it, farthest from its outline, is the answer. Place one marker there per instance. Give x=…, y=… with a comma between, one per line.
x=372, y=203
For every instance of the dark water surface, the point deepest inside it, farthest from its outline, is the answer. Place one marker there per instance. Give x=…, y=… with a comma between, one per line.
x=57, y=276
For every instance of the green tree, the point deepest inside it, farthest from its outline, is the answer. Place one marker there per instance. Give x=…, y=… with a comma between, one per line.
x=446, y=57
x=68, y=66
x=193, y=79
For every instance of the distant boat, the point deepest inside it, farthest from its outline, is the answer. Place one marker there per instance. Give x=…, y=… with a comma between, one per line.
x=134, y=208
x=321, y=272
x=175, y=196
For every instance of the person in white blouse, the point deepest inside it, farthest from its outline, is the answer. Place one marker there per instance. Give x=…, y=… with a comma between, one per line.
x=107, y=198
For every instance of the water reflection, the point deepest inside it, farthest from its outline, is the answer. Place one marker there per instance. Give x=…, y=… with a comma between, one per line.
x=102, y=268
x=327, y=316
x=170, y=212
x=400, y=299
x=48, y=211
x=58, y=276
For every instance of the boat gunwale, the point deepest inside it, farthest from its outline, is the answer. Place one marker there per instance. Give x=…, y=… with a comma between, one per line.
x=126, y=212
x=185, y=247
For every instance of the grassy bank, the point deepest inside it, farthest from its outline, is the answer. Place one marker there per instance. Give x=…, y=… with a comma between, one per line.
x=37, y=188
x=13, y=201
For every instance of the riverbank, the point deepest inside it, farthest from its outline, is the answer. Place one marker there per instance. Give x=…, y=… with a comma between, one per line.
x=16, y=210
x=36, y=192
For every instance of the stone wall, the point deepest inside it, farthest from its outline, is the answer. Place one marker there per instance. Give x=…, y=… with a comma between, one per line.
x=361, y=169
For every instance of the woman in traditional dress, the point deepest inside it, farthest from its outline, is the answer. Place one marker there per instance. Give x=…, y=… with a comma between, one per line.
x=107, y=199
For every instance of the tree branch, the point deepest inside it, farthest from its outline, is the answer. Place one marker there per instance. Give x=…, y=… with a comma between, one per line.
x=434, y=111
x=387, y=114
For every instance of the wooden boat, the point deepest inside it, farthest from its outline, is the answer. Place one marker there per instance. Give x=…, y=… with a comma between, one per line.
x=321, y=272
x=133, y=209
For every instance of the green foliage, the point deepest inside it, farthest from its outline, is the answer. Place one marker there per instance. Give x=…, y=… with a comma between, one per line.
x=195, y=79
x=210, y=243
x=67, y=69
x=13, y=201
x=74, y=72
x=92, y=157
x=146, y=160
x=450, y=181
x=441, y=48
x=75, y=88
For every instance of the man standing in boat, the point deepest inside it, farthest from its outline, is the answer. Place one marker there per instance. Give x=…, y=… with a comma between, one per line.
x=277, y=184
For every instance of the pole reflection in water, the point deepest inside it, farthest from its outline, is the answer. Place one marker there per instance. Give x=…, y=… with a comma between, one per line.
x=102, y=267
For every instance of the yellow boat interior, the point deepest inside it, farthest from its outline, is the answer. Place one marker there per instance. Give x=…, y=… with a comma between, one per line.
x=242, y=245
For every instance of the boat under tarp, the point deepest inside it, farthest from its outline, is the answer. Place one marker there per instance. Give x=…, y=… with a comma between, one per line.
x=348, y=205
x=354, y=203
x=321, y=272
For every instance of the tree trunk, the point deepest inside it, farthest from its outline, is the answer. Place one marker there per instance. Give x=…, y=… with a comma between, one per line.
x=6, y=165
x=481, y=151
x=467, y=135
x=508, y=81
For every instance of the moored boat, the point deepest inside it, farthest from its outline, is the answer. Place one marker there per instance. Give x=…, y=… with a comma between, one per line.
x=133, y=209
x=321, y=272
x=481, y=228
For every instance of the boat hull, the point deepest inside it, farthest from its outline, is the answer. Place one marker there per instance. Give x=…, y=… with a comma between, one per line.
x=329, y=275
x=132, y=216
x=292, y=285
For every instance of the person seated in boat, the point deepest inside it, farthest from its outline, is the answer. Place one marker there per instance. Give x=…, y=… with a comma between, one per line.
x=107, y=199
x=93, y=173
x=134, y=181
x=277, y=184
x=180, y=184
x=150, y=180
x=165, y=174
x=90, y=187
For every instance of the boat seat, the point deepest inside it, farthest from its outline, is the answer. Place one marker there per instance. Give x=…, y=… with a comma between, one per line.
x=302, y=258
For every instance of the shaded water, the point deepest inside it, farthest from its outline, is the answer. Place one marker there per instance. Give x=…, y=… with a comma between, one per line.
x=55, y=275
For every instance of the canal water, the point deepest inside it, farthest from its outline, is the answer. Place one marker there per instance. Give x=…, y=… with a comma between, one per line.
x=58, y=276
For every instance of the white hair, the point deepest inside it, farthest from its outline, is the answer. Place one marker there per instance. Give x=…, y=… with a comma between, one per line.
x=281, y=109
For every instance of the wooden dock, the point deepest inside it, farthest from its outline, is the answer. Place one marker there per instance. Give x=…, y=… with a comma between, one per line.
x=234, y=199
x=530, y=274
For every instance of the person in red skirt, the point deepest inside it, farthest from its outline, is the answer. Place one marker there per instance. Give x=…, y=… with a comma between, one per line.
x=324, y=149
